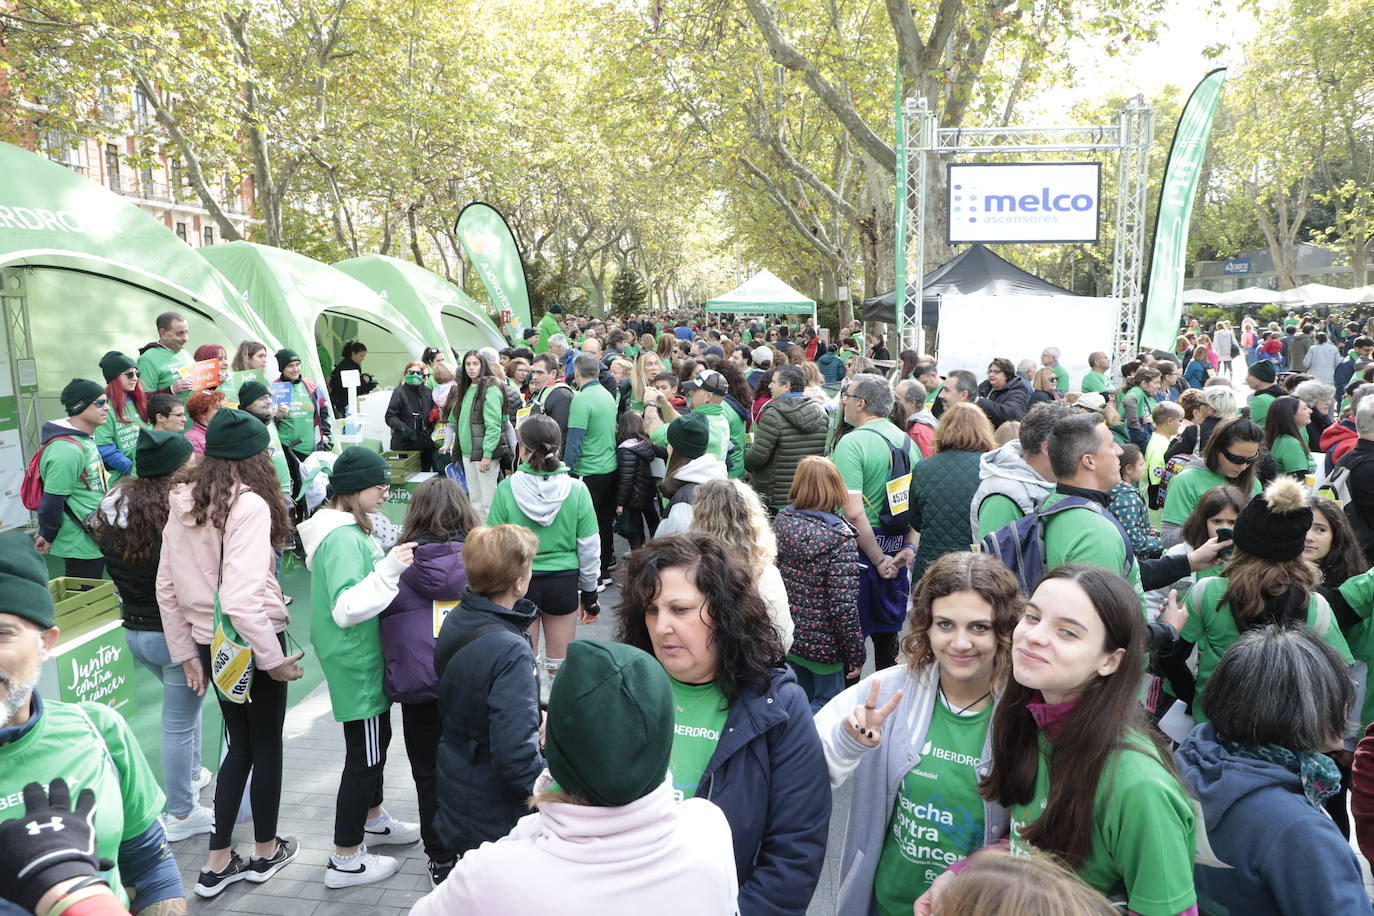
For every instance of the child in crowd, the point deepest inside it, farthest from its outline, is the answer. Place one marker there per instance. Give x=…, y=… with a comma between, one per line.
x=1167, y=417
x=1129, y=506
x=636, y=501
x=668, y=383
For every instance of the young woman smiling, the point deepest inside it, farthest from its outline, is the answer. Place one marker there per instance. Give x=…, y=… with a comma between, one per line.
x=1072, y=756
x=915, y=738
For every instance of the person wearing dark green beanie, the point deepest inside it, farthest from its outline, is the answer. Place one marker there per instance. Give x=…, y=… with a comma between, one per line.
x=305, y=427
x=351, y=584
x=605, y=810
x=225, y=523
x=690, y=463
x=74, y=479
x=88, y=744
x=133, y=515
x=1261, y=379
x=254, y=398
x=117, y=437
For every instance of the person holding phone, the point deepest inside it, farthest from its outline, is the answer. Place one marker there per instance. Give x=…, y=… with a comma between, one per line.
x=217, y=554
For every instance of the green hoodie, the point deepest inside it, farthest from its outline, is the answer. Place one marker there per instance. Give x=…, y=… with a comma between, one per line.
x=559, y=510
x=718, y=429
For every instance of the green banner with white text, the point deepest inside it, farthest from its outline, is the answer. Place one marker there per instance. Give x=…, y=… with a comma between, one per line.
x=1168, y=257
x=490, y=246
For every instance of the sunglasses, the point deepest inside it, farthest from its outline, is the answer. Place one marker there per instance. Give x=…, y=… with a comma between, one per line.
x=103, y=402
x=132, y=373
x=1239, y=459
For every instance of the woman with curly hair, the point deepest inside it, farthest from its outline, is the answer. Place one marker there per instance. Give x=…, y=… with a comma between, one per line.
x=217, y=560
x=912, y=737
x=743, y=733
x=732, y=513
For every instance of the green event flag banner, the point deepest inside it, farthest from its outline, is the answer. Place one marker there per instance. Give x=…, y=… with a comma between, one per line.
x=491, y=248
x=1164, y=294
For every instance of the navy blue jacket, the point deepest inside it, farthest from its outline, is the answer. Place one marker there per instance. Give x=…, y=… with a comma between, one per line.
x=407, y=625
x=1286, y=855
x=769, y=776
x=489, y=709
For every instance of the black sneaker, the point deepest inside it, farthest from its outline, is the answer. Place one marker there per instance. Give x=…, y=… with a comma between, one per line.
x=210, y=883
x=438, y=871
x=259, y=870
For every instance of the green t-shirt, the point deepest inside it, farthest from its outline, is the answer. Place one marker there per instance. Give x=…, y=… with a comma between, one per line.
x=932, y=395
x=1259, y=408
x=157, y=369
x=297, y=428
x=815, y=667
x=1084, y=536
x=72, y=468
x=865, y=462
x=1187, y=488
x=718, y=438
x=996, y=511
x=278, y=456
x=91, y=747
x=237, y=379
x=122, y=435
x=350, y=656
x=593, y=409
x=938, y=817
x=1061, y=376
x=1143, y=830
x=699, y=712
x=1095, y=381
x=1212, y=628
x=1290, y=456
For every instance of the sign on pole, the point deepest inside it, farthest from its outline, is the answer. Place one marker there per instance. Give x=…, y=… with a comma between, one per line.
x=490, y=246
x=1024, y=201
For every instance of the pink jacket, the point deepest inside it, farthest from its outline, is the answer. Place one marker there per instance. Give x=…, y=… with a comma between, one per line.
x=653, y=856
x=189, y=573
x=196, y=436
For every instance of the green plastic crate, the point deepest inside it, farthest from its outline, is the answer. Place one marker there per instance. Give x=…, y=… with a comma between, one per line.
x=83, y=604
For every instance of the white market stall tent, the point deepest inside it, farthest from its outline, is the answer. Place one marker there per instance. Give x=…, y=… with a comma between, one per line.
x=763, y=294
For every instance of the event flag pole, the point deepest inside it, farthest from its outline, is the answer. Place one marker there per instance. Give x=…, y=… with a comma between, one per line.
x=901, y=190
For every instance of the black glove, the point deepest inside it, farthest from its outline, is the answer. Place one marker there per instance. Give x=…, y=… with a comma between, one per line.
x=50, y=844
x=589, y=603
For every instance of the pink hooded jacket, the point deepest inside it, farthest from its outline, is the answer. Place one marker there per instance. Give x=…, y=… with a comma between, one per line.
x=188, y=576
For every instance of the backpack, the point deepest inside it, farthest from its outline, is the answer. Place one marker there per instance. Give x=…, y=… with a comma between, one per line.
x=1175, y=466
x=1020, y=545
x=894, y=514
x=31, y=489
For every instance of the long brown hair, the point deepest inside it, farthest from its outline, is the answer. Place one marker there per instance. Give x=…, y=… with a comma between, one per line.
x=454, y=405
x=143, y=501
x=1107, y=712
x=216, y=484
x=963, y=572
x=1250, y=580
x=439, y=511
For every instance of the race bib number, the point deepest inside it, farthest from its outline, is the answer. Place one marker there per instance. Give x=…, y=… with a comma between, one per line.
x=522, y=415
x=898, y=494
x=441, y=609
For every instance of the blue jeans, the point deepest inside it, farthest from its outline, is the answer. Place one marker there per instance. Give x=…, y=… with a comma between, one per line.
x=180, y=719
x=820, y=688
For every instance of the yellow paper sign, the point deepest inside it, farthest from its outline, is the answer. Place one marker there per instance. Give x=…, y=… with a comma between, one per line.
x=522, y=415
x=441, y=609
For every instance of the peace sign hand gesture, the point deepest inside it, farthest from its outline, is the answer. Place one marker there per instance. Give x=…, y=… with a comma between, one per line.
x=865, y=723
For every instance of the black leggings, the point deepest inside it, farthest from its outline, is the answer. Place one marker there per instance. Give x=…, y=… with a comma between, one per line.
x=254, y=733
x=602, y=488
x=360, y=785
x=885, y=646
x=422, y=727
x=83, y=569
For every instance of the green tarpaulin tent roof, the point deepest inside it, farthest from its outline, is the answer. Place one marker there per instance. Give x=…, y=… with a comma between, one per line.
x=290, y=292
x=425, y=298
x=763, y=294
x=53, y=217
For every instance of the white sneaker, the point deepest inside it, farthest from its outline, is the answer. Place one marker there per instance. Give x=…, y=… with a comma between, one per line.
x=390, y=832
x=201, y=781
x=200, y=820
x=363, y=868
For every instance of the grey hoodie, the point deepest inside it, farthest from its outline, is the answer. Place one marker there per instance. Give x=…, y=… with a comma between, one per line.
x=1003, y=471
x=540, y=496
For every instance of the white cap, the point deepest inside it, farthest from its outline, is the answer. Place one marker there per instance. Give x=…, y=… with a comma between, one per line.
x=761, y=356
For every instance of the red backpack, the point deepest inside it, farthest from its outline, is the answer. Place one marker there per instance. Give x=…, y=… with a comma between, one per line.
x=31, y=490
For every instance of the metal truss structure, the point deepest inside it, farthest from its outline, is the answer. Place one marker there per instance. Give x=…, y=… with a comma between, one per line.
x=1129, y=139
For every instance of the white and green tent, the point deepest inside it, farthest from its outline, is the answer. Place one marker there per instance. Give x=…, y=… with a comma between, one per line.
x=444, y=312
x=762, y=294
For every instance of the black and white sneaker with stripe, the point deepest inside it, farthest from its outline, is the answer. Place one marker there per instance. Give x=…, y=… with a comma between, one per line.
x=361, y=868
x=259, y=869
x=210, y=883
x=386, y=830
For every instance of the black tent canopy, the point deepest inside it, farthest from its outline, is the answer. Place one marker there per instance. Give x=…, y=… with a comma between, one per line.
x=975, y=271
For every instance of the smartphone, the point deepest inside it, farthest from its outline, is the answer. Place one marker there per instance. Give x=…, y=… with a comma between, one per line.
x=1224, y=534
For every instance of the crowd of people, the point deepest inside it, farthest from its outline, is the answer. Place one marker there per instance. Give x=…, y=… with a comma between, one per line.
x=1118, y=626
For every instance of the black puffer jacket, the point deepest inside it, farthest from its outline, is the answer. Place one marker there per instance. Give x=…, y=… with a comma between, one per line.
x=407, y=414
x=489, y=708
x=1009, y=402
x=635, y=484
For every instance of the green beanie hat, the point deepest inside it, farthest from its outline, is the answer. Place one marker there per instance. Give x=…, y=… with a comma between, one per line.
x=79, y=394
x=285, y=357
x=114, y=364
x=1263, y=369
x=357, y=469
x=160, y=453
x=250, y=391
x=690, y=435
x=610, y=729
x=24, y=580
x=235, y=434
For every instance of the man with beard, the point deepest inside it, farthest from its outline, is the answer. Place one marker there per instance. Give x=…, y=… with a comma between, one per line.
x=87, y=744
